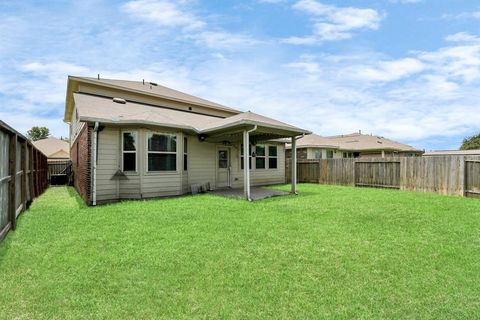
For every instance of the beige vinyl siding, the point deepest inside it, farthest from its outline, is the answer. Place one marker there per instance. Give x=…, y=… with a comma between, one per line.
x=202, y=162
x=75, y=126
x=259, y=176
x=110, y=92
x=141, y=184
x=107, y=163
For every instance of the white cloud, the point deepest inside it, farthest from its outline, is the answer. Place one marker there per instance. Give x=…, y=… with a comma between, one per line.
x=163, y=13
x=272, y=1
x=300, y=40
x=463, y=15
x=406, y=1
x=304, y=66
x=333, y=23
x=224, y=40
x=463, y=37
x=386, y=71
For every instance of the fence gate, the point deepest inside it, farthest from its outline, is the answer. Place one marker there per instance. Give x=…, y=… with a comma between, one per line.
x=472, y=178
x=60, y=172
x=380, y=174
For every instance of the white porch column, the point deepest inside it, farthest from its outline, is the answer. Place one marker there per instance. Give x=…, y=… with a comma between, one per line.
x=294, y=165
x=246, y=167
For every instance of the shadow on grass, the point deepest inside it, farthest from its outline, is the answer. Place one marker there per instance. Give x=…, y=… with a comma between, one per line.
x=76, y=197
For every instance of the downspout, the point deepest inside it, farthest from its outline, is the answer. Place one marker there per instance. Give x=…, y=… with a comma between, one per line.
x=94, y=166
x=246, y=161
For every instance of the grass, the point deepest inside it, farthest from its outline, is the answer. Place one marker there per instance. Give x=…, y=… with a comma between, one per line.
x=335, y=252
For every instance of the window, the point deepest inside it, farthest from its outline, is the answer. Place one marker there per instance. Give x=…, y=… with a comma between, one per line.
x=222, y=159
x=272, y=157
x=260, y=158
x=249, y=158
x=162, y=152
x=329, y=154
x=129, y=151
x=185, y=154
x=317, y=154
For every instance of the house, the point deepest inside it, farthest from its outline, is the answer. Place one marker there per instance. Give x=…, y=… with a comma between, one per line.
x=444, y=153
x=137, y=139
x=53, y=148
x=355, y=145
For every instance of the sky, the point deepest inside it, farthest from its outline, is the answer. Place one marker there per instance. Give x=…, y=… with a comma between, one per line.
x=408, y=70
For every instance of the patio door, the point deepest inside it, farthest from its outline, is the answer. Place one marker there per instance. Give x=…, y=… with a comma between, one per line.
x=223, y=168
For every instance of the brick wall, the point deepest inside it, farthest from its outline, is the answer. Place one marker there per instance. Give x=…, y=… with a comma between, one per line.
x=81, y=160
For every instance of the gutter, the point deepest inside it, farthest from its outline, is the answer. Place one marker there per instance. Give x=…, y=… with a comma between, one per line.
x=94, y=166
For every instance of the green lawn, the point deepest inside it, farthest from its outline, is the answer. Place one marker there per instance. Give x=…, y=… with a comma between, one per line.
x=334, y=252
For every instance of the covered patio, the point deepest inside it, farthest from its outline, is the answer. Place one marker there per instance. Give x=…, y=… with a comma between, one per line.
x=250, y=128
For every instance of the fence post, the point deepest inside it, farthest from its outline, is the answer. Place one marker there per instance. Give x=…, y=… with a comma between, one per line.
x=24, y=177
x=13, y=174
x=30, y=166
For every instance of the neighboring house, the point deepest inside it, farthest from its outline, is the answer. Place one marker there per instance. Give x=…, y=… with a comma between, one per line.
x=443, y=153
x=355, y=145
x=135, y=140
x=53, y=148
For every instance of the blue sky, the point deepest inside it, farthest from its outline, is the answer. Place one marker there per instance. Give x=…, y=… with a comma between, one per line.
x=405, y=69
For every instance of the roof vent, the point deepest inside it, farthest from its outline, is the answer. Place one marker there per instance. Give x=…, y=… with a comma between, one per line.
x=153, y=84
x=119, y=100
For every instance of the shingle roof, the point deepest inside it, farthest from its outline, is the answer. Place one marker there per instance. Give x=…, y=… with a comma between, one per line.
x=452, y=153
x=53, y=147
x=93, y=108
x=157, y=90
x=353, y=142
x=359, y=142
x=249, y=118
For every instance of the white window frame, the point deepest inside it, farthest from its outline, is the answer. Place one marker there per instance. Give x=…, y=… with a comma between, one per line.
x=135, y=133
x=319, y=151
x=264, y=156
x=161, y=152
x=241, y=158
x=185, y=143
x=267, y=153
x=333, y=154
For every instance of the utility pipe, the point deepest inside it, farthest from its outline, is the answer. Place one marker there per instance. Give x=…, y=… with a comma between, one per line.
x=94, y=166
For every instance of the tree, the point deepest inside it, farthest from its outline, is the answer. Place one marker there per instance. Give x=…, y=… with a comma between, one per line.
x=38, y=133
x=471, y=143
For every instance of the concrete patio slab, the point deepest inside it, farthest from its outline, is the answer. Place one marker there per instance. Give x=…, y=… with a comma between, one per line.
x=256, y=193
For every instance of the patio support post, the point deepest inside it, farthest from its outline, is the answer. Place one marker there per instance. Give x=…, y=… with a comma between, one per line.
x=246, y=162
x=246, y=167
x=294, y=165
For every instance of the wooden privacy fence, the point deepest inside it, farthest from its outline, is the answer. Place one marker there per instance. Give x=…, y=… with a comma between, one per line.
x=450, y=175
x=23, y=176
x=60, y=172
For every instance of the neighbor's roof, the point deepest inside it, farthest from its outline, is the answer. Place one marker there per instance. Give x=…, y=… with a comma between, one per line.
x=363, y=142
x=156, y=90
x=105, y=110
x=353, y=142
x=440, y=153
x=53, y=147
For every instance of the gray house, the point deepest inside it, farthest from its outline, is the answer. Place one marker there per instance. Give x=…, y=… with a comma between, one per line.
x=135, y=140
